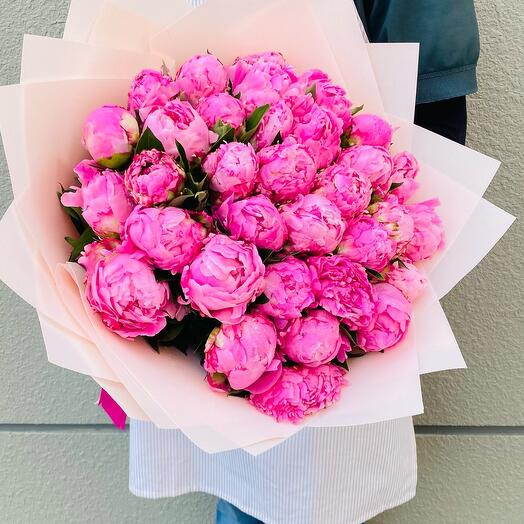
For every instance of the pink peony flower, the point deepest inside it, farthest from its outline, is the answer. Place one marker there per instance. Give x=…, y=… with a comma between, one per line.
x=178, y=121
x=168, y=236
x=103, y=199
x=301, y=391
x=371, y=130
x=347, y=188
x=224, y=278
x=254, y=219
x=278, y=119
x=121, y=287
x=109, y=134
x=314, y=225
x=407, y=278
x=242, y=352
x=149, y=90
x=319, y=130
x=327, y=94
x=342, y=288
x=392, y=320
x=201, y=76
x=288, y=289
x=286, y=171
x=312, y=340
x=396, y=219
x=368, y=242
x=260, y=79
x=232, y=169
x=269, y=378
x=373, y=162
x=405, y=169
x=428, y=235
x=223, y=107
x=153, y=178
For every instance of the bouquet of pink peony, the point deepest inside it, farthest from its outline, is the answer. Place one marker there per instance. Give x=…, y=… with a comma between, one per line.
x=241, y=239
x=250, y=214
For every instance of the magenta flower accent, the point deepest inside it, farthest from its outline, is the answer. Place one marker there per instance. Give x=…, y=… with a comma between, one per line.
x=223, y=107
x=279, y=119
x=371, y=130
x=405, y=169
x=407, y=278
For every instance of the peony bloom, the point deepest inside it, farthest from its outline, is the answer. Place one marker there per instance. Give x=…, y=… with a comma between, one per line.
x=312, y=340
x=242, y=352
x=224, y=278
x=201, y=76
x=278, y=119
x=396, y=219
x=371, y=130
x=428, y=235
x=223, y=107
x=286, y=171
x=405, y=169
x=260, y=79
x=232, y=169
x=314, y=225
x=368, y=242
x=327, y=94
x=301, y=391
x=288, y=289
x=347, y=188
x=168, y=236
x=342, y=288
x=121, y=287
x=102, y=197
x=269, y=378
x=407, y=278
x=153, y=178
x=176, y=122
x=254, y=219
x=149, y=90
x=373, y=162
x=319, y=130
x=392, y=320
x=109, y=134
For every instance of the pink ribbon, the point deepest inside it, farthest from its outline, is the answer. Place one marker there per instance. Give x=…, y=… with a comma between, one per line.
x=114, y=411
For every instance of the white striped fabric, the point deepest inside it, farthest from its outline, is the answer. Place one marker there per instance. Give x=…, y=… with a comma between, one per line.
x=319, y=476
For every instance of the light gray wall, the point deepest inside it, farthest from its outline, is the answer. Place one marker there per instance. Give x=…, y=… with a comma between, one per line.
x=60, y=462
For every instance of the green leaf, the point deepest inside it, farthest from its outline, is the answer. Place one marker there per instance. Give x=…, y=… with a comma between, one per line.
x=312, y=89
x=165, y=69
x=356, y=110
x=169, y=334
x=162, y=275
x=183, y=156
x=239, y=393
x=400, y=262
x=394, y=185
x=375, y=274
x=351, y=335
x=148, y=141
x=253, y=122
x=78, y=244
x=278, y=139
x=225, y=132
x=261, y=299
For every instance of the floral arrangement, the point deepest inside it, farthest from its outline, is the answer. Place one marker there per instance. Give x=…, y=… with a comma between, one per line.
x=253, y=215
